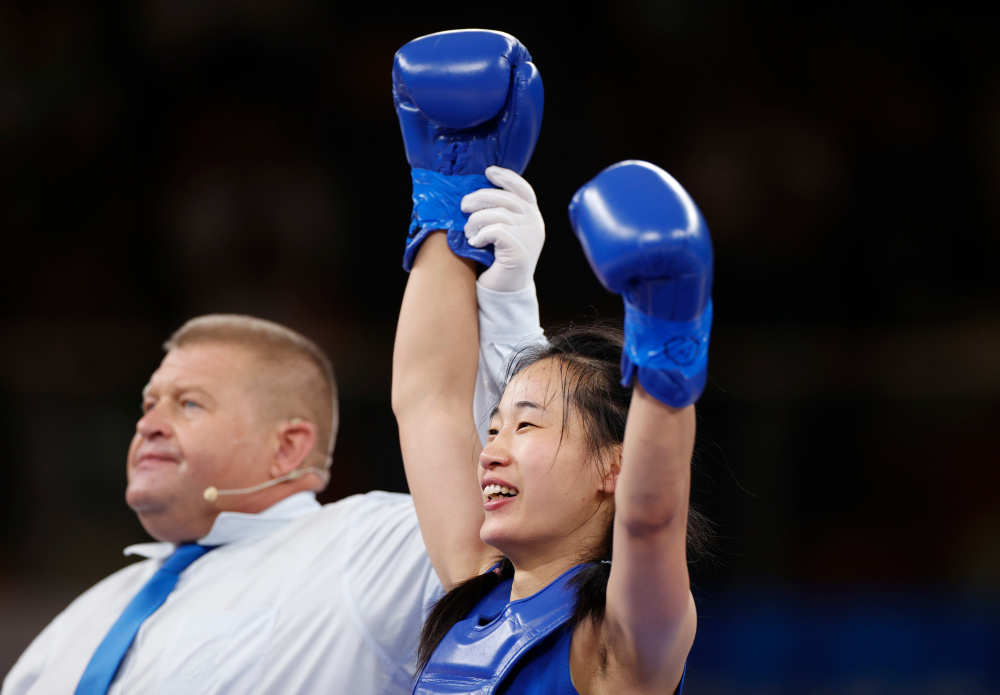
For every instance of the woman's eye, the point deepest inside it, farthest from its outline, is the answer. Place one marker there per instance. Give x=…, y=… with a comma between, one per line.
x=493, y=433
x=522, y=425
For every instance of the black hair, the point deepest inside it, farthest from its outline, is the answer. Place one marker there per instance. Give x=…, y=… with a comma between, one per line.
x=589, y=360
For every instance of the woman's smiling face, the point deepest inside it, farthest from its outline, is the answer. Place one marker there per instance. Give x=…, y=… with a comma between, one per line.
x=538, y=453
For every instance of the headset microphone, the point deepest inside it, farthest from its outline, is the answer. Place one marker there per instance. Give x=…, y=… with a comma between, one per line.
x=212, y=493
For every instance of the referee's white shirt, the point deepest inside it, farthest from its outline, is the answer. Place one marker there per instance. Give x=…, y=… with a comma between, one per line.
x=301, y=598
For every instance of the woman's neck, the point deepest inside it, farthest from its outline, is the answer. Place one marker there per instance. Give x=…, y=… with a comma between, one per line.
x=539, y=561
x=531, y=576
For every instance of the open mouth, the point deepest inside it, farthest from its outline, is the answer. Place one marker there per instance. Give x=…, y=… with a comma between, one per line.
x=493, y=492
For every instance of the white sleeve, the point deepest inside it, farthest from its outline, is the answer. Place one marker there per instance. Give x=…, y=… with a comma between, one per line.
x=388, y=581
x=508, y=321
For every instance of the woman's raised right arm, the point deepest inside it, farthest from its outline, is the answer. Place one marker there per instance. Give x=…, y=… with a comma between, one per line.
x=465, y=100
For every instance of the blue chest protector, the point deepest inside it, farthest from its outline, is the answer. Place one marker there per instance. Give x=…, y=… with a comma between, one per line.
x=488, y=650
x=509, y=647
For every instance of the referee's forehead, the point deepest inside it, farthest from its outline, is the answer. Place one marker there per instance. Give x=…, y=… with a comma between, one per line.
x=212, y=367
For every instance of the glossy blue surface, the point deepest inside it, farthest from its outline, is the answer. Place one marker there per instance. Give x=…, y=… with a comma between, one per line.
x=646, y=240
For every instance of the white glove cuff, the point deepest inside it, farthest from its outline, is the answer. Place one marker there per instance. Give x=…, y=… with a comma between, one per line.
x=508, y=317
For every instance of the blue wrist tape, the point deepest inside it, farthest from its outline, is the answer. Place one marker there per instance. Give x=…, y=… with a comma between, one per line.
x=437, y=204
x=671, y=357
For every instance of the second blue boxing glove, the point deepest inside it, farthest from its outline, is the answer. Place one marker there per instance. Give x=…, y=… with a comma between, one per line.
x=465, y=100
x=646, y=240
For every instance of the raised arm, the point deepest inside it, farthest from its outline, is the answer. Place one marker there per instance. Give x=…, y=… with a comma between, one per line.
x=433, y=379
x=465, y=100
x=646, y=240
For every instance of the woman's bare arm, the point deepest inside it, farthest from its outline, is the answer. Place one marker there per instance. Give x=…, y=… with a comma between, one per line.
x=646, y=240
x=650, y=620
x=433, y=379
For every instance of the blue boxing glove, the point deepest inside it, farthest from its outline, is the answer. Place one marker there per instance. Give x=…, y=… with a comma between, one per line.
x=466, y=100
x=646, y=240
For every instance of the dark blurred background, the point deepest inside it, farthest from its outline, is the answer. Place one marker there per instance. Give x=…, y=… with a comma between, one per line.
x=160, y=159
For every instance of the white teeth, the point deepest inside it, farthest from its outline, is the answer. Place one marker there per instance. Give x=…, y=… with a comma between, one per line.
x=493, y=490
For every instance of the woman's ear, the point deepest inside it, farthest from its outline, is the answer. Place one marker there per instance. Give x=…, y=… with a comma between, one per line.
x=613, y=467
x=296, y=438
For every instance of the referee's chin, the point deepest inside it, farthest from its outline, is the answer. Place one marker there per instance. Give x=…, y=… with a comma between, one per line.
x=171, y=518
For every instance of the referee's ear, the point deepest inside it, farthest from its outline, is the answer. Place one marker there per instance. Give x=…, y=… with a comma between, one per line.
x=296, y=439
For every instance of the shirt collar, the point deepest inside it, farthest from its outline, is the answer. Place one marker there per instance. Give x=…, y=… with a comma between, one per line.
x=230, y=527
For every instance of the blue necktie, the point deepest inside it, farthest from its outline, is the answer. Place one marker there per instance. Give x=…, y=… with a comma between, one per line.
x=104, y=664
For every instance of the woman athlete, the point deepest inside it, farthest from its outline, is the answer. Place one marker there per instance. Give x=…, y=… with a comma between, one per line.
x=521, y=531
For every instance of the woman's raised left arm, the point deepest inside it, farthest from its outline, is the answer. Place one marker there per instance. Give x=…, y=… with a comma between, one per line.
x=646, y=240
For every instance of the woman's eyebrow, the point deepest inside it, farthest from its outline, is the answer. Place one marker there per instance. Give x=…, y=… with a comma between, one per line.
x=519, y=405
